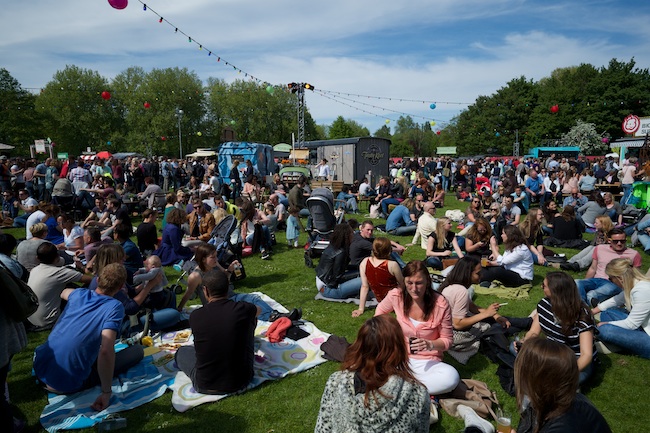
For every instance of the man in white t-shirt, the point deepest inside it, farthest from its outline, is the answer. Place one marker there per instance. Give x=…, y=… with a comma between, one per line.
x=27, y=205
x=323, y=170
x=38, y=216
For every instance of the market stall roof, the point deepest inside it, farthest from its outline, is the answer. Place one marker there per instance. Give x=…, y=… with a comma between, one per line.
x=282, y=147
x=6, y=146
x=202, y=153
x=451, y=150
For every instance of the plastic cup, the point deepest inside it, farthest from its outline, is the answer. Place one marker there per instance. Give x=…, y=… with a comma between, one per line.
x=503, y=423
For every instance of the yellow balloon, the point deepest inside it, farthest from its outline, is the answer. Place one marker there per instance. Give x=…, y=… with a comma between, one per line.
x=387, y=121
x=199, y=133
x=432, y=123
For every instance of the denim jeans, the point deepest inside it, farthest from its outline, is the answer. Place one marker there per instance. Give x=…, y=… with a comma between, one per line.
x=21, y=221
x=643, y=236
x=434, y=262
x=162, y=319
x=598, y=288
x=398, y=259
x=445, y=183
x=345, y=290
x=255, y=300
x=387, y=201
x=404, y=230
x=636, y=341
x=627, y=190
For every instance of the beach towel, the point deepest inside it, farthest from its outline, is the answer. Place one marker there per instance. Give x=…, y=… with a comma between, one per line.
x=370, y=303
x=500, y=291
x=141, y=384
x=273, y=361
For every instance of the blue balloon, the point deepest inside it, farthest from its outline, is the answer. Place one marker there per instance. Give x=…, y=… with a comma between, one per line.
x=498, y=134
x=432, y=106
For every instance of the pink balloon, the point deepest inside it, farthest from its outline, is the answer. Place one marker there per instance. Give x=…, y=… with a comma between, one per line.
x=118, y=4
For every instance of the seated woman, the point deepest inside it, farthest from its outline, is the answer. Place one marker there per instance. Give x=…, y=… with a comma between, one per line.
x=438, y=196
x=332, y=278
x=588, y=212
x=364, y=398
x=73, y=234
x=254, y=228
x=397, y=193
x=631, y=331
x=171, y=250
x=583, y=259
x=564, y=318
x=468, y=319
x=546, y=379
x=206, y=260
x=587, y=182
x=442, y=244
x=550, y=211
x=346, y=200
x=473, y=211
x=425, y=318
x=498, y=195
x=378, y=273
x=515, y=267
x=531, y=228
x=477, y=240
x=614, y=211
x=566, y=226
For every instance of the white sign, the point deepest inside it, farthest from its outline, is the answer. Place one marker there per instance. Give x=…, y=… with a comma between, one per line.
x=39, y=146
x=644, y=128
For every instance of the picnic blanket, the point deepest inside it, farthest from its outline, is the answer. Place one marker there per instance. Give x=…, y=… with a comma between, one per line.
x=370, y=303
x=273, y=361
x=141, y=384
x=499, y=290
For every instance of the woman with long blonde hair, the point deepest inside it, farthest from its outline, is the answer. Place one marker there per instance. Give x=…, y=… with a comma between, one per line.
x=625, y=318
x=442, y=244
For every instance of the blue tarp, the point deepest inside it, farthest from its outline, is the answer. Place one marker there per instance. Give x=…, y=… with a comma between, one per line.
x=261, y=155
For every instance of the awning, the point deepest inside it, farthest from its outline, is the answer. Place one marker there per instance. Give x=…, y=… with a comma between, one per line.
x=6, y=146
x=627, y=142
x=451, y=150
x=282, y=147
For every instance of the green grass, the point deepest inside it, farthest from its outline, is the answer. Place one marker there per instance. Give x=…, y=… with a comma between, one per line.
x=619, y=388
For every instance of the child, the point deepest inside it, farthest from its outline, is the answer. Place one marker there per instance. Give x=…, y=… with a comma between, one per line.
x=293, y=226
x=157, y=299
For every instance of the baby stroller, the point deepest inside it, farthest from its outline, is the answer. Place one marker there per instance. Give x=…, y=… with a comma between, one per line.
x=321, y=222
x=226, y=253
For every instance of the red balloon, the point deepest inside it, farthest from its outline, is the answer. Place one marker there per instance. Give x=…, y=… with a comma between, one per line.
x=438, y=132
x=555, y=108
x=147, y=105
x=106, y=95
x=163, y=138
x=118, y=4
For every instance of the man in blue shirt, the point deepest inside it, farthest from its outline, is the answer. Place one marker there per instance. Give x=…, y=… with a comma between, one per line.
x=535, y=188
x=520, y=199
x=133, y=260
x=401, y=222
x=575, y=199
x=79, y=352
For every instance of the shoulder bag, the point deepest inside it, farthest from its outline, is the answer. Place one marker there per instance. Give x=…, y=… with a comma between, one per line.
x=19, y=300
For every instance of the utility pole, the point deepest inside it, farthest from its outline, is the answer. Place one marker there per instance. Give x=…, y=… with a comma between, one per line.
x=179, y=115
x=299, y=89
x=515, y=150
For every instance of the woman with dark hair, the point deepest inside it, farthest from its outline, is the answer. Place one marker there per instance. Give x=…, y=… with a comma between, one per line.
x=442, y=243
x=235, y=180
x=477, y=240
x=254, y=228
x=438, y=198
x=546, y=380
x=364, y=398
x=550, y=211
x=515, y=267
x=596, y=206
x=531, y=228
x=565, y=318
x=425, y=318
x=171, y=250
x=378, y=273
x=468, y=319
x=332, y=278
x=566, y=226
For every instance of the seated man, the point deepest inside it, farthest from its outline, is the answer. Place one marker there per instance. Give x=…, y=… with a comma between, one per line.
x=133, y=260
x=28, y=205
x=48, y=281
x=401, y=221
x=575, y=199
x=597, y=286
x=346, y=200
x=361, y=246
x=79, y=353
x=221, y=360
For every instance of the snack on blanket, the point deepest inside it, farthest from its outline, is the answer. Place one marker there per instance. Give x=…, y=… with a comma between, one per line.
x=163, y=360
x=182, y=336
x=169, y=346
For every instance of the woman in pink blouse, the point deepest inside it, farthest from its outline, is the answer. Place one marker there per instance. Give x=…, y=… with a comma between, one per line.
x=425, y=317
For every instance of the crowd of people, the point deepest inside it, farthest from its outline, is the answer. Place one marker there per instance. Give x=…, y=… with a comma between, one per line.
x=513, y=208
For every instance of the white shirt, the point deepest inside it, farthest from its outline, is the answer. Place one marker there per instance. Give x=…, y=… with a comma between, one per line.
x=518, y=260
x=324, y=171
x=639, y=316
x=35, y=217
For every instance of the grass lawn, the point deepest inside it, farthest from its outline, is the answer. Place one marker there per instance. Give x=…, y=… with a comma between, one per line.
x=619, y=388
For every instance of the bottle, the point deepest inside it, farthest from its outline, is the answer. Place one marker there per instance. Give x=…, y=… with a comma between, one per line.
x=237, y=270
x=111, y=422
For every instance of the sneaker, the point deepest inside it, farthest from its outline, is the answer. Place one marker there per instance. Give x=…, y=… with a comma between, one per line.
x=594, y=302
x=434, y=416
x=265, y=255
x=472, y=419
x=295, y=244
x=485, y=284
x=561, y=255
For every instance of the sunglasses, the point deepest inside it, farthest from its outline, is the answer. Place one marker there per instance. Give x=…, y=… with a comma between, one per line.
x=618, y=241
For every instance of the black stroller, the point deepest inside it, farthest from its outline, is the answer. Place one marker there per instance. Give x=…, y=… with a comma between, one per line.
x=321, y=222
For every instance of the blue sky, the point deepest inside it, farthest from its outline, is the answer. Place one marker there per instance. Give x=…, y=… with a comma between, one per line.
x=435, y=51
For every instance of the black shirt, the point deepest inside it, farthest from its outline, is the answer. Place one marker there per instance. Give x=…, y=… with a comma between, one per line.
x=360, y=249
x=582, y=417
x=223, y=339
x=147, y=235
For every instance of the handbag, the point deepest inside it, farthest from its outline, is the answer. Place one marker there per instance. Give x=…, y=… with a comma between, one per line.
x=19, y=300
x=472, y=393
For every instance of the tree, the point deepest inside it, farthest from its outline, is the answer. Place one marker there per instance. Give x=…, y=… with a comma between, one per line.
x=19, y=122
x=346, y=128
x=585, y=136
x=384, y=132
x=75, y=114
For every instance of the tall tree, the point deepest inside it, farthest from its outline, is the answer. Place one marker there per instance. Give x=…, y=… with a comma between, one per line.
x=345, y=128
x=19, y=122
